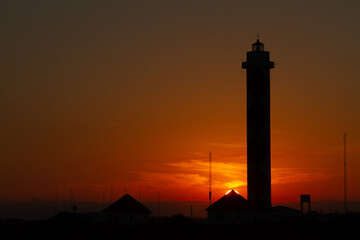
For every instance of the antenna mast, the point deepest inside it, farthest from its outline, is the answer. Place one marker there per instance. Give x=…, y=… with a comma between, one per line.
x=56, y=200
x=345, y=186
x=103, y=199
x=159, y=204
x=70, y=196
x=140, y=194
x=74, y=208
x=210, y=178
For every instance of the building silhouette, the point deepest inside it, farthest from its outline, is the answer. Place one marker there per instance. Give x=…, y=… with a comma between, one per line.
x=127, y=210
x=258, y=67
x=229, y=209
x=232, y=208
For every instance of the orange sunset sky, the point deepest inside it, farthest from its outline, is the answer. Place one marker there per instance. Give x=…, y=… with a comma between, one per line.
x=97, y=95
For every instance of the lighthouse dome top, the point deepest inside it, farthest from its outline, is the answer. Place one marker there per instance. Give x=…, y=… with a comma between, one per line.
x=258, y=46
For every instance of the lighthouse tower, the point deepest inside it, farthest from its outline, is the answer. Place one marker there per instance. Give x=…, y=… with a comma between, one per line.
x=258, y=67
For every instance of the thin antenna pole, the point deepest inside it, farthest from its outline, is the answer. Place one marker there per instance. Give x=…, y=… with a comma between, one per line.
x=210, y=178
x=56, y=200
x=191, y=211
x=103, y=197
x=74, y=203
x=140, y=194
x=345, y=186
x=70, y=196
x=159, y=204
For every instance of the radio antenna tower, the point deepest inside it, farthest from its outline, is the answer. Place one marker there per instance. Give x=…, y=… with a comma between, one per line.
x=159, y=204
x=210, y=178
x=345, y=186
x=103, y=199
x=70, y=197
x=56, y=200
x=140, y=194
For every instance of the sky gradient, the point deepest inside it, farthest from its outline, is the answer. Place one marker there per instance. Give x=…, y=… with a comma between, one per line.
x=134, y=94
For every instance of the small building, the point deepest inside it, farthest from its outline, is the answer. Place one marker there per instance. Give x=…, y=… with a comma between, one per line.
x=232, y=208
x=126, y=210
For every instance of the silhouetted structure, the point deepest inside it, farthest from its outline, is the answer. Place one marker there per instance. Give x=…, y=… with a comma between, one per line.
x=305, y=199
x=232, y=208
x=345, y=185
x=258, y=68
x=209, y=178
x=127, y=210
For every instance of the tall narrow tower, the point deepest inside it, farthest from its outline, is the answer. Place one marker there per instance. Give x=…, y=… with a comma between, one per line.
x=258, y=67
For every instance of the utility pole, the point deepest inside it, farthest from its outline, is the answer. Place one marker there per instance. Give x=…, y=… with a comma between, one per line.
x=191, y=211
x=209, y=178
x=345, y=185
x=70, y=197
x=140, y=194
x=56, y=200
x=103, y=199
x=159, y=204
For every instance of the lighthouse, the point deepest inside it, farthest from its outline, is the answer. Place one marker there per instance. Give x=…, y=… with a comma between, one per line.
x=258, y=67
x=232, y=208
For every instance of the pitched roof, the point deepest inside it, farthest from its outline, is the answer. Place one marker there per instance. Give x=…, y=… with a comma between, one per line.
x=126, y=204
x=230, y=202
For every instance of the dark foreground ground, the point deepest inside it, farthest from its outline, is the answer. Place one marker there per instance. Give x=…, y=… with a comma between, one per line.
x=345, y=226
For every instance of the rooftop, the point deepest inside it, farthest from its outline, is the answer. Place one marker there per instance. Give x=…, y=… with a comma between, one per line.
x=231, y=201
x=126, y=204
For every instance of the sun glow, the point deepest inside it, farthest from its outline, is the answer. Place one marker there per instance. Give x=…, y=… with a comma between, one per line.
x=230, y=191
x=235, y=184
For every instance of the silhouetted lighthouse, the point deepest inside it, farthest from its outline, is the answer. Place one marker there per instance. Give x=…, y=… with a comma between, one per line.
x=258, y=67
